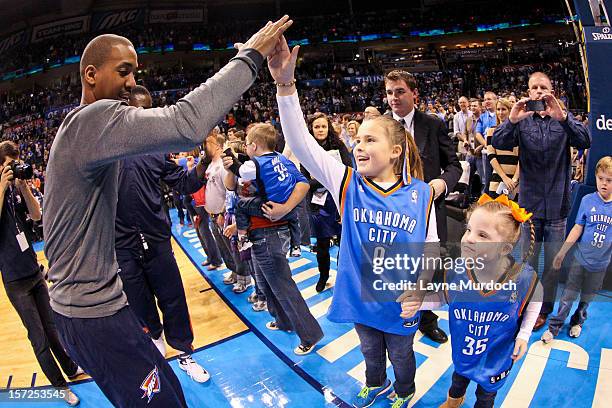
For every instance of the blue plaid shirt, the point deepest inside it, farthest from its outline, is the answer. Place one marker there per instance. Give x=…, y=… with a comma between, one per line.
x=544, y=160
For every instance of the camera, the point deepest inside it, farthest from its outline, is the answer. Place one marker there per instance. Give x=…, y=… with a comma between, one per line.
x=536, y=106
x=22, y=171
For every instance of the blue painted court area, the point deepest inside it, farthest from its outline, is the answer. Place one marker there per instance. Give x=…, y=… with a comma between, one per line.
x=257, y=368
x=563, y=374
x=244, y=373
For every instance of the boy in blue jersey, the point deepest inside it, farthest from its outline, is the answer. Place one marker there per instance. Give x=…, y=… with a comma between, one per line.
x=275, y=177
x=592, y=254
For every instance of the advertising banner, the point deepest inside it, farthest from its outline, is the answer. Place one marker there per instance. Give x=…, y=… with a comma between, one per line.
x=67, y=26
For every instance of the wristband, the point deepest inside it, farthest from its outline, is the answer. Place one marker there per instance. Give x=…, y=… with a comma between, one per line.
x=288, y=84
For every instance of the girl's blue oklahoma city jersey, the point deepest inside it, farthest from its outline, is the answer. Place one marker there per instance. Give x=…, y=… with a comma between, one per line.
x=377, y=220
x=484, y=326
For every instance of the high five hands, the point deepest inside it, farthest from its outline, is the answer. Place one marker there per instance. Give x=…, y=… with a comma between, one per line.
x=281, y=62
x=266, y=39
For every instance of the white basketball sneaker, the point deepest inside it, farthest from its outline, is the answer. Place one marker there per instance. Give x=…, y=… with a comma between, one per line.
x=70, y=397
x=193, y=369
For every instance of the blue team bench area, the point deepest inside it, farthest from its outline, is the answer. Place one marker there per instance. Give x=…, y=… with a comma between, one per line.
x=257, y=367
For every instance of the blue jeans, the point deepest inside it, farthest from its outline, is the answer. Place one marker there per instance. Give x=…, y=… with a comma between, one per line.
x=230, y=257
x=209, y=244
x=552, y=234
x=375, y=345
x=304, y=218
x=480, y=170
x=579, y=282
x=487, y=172
x=285, y=303
x=187, y=203
x=484, y=399
x=258, y=278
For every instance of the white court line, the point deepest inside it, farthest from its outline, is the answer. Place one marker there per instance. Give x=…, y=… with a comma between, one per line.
x=299, y=263
x=311, y=291
x=340, y=346
x=320, y=309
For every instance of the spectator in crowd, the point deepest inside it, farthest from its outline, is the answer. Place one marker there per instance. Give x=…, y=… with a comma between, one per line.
x=545, y=139
x=504, y=179
x=460, y=125
x=591, y=257
x=324, y=217
x=23, y=279
x=370, y=113
x=487, y=119
x=215, y=207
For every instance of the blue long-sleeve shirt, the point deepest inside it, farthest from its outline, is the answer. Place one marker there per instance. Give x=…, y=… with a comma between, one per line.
x=544, y=159
x=139, y=207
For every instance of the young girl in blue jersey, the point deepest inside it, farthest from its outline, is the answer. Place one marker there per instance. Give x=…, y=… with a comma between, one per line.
x=381, y=206
x=489, y=326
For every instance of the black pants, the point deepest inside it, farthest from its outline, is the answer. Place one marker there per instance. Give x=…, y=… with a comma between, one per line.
x=122, y=360
x=30, y=298
x=323, y=257
x=230, y=257
x=484, y=398
x=178, y=204
x=187, y=203
x=156, y=275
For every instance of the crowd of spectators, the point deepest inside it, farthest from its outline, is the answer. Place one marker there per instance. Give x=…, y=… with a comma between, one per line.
x=31, y=118
x=323, y=28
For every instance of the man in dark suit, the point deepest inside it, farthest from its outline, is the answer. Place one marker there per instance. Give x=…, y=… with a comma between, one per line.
x=440, y=163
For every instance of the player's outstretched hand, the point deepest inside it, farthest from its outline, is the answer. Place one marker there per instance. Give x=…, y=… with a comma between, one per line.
x=267, y=37
x=520, y=348
x=281, y=61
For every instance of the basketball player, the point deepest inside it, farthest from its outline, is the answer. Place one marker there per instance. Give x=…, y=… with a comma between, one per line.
x=94, y=322
x=147, y=266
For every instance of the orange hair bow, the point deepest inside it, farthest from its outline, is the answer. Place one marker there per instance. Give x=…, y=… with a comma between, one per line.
x=519, y=214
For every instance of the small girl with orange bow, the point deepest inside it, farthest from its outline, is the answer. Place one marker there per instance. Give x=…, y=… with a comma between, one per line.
x=493, y=303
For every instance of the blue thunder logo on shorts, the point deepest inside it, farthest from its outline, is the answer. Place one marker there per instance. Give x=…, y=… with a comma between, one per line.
x=151, y=385
x=373, y=218
x=484, y=325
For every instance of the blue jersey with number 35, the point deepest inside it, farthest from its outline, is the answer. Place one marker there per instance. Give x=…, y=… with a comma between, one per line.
x=276, y=177
x=594, y=248
x=484, y=325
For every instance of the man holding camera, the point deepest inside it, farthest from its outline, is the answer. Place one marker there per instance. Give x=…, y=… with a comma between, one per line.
x=21, y=274
x=544, y=131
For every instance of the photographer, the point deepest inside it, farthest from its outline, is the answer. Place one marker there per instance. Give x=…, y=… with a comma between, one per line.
x=21, y=274
x=545, y=132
